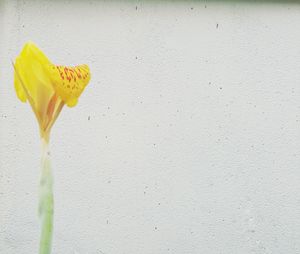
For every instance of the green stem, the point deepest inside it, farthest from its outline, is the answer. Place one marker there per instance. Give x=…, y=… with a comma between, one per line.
x=46, y=201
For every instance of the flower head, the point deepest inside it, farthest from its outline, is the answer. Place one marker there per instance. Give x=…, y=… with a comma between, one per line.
x=47, y=87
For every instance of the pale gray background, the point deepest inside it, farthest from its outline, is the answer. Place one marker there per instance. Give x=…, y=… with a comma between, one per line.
x=193, y=140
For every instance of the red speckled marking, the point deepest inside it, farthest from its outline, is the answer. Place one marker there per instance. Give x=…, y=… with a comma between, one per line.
x=60, y=72
x=71, y=73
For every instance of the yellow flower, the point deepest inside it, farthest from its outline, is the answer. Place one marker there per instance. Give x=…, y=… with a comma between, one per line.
x=47, y=87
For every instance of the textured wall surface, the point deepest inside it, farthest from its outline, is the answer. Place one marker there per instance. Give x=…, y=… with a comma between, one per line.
x=186, y=141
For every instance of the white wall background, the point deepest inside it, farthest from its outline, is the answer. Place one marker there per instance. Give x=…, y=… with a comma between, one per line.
x=186, y=141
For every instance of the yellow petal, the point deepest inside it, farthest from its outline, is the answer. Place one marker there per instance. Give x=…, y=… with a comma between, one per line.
x=69, y=82
x=18, y=86
x=32, y=70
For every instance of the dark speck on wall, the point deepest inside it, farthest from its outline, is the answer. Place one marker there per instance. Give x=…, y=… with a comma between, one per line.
x=136, y=8
x=89, y=118
x=192, y=8
x=217, y=26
